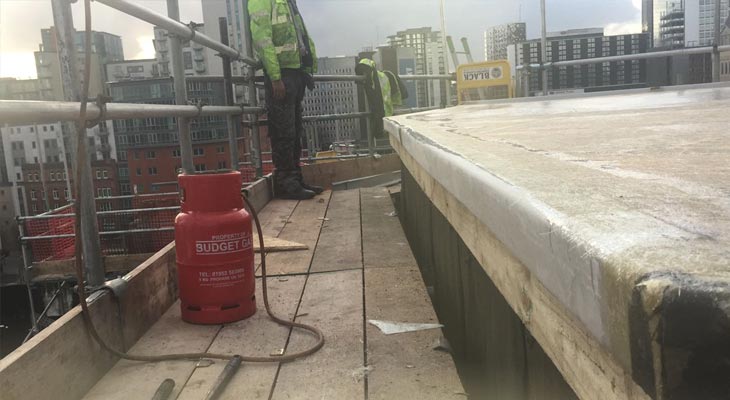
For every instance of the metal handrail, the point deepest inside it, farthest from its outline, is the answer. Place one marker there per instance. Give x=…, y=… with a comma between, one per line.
x=626, y=57
x=177, y=28
x=110, y=233
x=100, y=213
x=19, y=111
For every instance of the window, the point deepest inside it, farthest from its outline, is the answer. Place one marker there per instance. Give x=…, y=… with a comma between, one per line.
x=152, y=170
x=176, y=153
x=52, y=128
x=18, y=177
x=198, y=151
x=55, y=195
x=53, y=176
x=151, y=155
x=98, y=174
x=199, y=167
x=188, y=60
x=221, y=149
x=104, y=174
x=222, y=165
x=34, y=207
x=122, y=156
x=136, y=155
x=65, y=193
x=139, y=171
x=33, y=194
x=33, y=144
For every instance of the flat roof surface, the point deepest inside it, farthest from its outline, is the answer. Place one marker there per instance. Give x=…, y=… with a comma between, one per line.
x=593, y=194
x=358, y=267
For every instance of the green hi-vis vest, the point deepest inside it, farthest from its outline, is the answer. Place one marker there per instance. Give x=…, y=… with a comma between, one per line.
x=385, y=88
x=275, y=38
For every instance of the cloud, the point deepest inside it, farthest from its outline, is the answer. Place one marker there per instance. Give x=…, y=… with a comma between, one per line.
x=623, y=28
x=18, y=65
x=340, y=27
x=147, y=47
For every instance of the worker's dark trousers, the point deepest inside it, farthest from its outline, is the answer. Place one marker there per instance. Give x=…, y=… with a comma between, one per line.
x=285, y=124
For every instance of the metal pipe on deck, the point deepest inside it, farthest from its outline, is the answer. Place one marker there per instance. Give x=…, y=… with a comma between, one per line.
x=173, y=25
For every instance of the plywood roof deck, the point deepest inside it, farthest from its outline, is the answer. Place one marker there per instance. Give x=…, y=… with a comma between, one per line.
x=358, y=267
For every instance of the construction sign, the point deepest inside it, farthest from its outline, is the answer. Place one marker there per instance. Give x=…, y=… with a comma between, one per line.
x=484, y=81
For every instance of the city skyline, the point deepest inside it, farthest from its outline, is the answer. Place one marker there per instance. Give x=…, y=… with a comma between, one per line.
x=21, y=21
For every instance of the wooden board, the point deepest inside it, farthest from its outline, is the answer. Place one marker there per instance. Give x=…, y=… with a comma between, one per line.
x=332, y=302
x=384, y=243
x=303, y=227
x=589, y=369
x=65, y=359
x=257, y=335
x=273, y=219
x=324, y=174
x=259, y=193
x=131, y=379
x=152, y=294
x=276, y=245
x=61, y=269
x=340, y=246
x=405, y=366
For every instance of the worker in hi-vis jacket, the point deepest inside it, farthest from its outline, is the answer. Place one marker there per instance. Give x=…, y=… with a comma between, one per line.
x=289, y=57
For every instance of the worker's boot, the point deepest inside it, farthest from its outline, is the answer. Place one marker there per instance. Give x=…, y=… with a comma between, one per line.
x=311, y=188
x=288, y=187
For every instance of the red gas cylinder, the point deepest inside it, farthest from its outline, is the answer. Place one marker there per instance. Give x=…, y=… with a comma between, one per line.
x=214, y=247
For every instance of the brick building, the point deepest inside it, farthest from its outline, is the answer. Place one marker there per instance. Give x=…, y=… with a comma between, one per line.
x=106, y=184
x=148, y=149
x=155, y=169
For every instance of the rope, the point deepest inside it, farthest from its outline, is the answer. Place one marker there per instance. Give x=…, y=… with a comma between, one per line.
x=86, y=314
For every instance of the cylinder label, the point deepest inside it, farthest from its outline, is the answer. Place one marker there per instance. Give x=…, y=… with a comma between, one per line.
x=224, y=244
x=221, y=278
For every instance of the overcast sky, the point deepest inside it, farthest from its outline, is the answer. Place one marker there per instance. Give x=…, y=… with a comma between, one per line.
x=340, y=27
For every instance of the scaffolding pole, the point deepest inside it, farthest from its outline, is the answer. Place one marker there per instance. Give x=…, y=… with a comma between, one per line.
x=233, y=124
x=716, y=48
x=543, y=41
x=181, y=90
x=66, y=47
x=21, y=111
x=253, y=98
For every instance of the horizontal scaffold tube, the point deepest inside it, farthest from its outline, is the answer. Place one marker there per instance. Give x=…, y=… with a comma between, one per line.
x=27, y=112
x=185, y=32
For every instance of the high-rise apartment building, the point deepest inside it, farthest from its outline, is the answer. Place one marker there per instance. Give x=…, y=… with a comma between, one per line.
x=26, y=147
x=498, y=38
x=148, y=148
x=21, y=89
x=195, y=60
x=133, y=69
x=105, y=48
x=681, y=23
x=333, y=98
x=418, y=39
x=580, y=44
